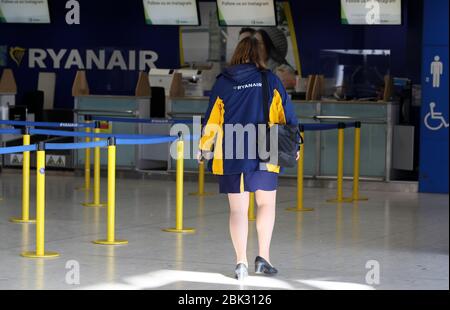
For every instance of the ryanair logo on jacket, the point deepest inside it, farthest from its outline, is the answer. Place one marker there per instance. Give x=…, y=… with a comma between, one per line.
x=236, y=103
x=239, y=87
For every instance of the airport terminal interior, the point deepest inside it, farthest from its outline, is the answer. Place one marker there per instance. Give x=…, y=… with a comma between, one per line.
x=100, y=122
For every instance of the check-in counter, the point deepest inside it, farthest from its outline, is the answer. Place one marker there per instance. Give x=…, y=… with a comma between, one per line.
x=8, y=91
x=377, y=118
x=114, y=106
x=6, y=100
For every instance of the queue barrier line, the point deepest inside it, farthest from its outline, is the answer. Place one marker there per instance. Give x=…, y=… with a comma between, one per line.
x=75, y=146
x=325, y=126
x=356, y=164
x=156, y=140
x=92, y=135
x=10, y=131
x=302, y=127
x=317, y=127
x=40, y=149
x=141, y=120
x=17, y=149
x=47, y=124
x=179, y=175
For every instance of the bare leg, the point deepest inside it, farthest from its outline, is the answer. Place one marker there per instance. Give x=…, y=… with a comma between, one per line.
x=265, y=220
x=239, y=224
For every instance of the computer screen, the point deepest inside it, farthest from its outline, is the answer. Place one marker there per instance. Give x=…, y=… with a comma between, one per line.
x=161, y=78
x=371, y=12
x=246, y=13
x=24, y=11
x=167, y=12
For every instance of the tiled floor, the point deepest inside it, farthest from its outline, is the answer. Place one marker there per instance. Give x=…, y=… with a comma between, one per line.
x=404, y=236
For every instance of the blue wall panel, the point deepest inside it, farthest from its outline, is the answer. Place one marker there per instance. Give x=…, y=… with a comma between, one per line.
x=435, y=100
x=105, y=24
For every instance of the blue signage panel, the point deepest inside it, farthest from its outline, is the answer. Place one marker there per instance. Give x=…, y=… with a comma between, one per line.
x=435, y=100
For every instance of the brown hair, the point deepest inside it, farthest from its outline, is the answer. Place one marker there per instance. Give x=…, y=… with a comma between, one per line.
x=248, y=51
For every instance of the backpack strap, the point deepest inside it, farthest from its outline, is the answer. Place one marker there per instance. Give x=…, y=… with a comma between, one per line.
x=265, y=95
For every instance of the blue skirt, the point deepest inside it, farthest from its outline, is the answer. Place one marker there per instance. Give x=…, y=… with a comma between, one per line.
x=248, y=182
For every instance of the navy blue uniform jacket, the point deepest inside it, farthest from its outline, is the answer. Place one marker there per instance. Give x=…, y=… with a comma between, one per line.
x=236, y=98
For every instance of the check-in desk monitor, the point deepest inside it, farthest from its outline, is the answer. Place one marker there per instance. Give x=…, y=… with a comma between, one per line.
x=161, y=78
x=192, y=82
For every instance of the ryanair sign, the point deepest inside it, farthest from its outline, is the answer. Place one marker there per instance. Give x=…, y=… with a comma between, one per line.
x=90, y=59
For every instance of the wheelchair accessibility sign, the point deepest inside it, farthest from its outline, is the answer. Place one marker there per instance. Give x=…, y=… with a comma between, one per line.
x=434, y=120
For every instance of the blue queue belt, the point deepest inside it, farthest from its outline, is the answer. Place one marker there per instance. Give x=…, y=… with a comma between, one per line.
x=350, y=124
x=320, y=127
x=317, y=127
x=62, y=133
x=17, y=149
x=103, y=143
x=141, y=120
x=75, y=146
x=47, y=124
x=10, y=131
x=154, y=139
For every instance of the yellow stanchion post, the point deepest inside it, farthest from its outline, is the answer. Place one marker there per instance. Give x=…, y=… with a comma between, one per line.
x=87, y=158
x=40, y=208
x=251, y=207
x=340, y=167
x=96, y=201
x=300, y=186
x=356, y=164
x=25, y=183
x=179, y=190
x=201, y=181
x=111, y=211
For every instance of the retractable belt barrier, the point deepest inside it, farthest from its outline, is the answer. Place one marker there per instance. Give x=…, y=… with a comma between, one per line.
x=17, y=149
x=10, y=131
x=113, y=140
x=141, y=120
x=46, y=124
x=111, y=144
x=62, y=133
x=340, y=163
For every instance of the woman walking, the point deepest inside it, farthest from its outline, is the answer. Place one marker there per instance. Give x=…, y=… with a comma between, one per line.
x=236, y=100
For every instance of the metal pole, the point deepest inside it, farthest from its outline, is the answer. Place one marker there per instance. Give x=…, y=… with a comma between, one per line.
x=87, y=157
x=25, y=183
x=300, y=185
x=40, y=207
x=179, y=190
x=111, y=211
x=356, y=163
x=96, y=201
x=340, y=167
